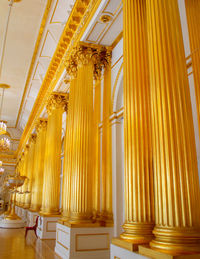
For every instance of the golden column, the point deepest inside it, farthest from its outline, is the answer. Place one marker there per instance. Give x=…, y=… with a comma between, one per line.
x=177, y=193
x=81, y=169
x=139, y=216
x=193, y=20
x=36, y=199
x=106, y=214
x=96, y=155
x=24, y=186
x=17, y=172
x=68, y=146
x=57, y=104
x=21, y=172
x=30, y=168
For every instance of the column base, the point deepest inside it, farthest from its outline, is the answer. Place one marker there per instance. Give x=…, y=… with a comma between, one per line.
x=47, y=227
x=152, y=253
x=176, y=241
x=31, y=218
x=137, y=233
x=74, y=241
x=118, y=252
x=10, y=223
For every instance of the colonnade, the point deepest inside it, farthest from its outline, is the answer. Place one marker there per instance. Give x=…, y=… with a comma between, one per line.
x=161, y=174
x=42, y=163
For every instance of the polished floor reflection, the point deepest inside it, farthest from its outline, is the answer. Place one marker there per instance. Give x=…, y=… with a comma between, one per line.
x=13, y=245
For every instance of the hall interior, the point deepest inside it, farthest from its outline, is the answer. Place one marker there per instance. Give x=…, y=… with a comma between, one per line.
x=99, y=129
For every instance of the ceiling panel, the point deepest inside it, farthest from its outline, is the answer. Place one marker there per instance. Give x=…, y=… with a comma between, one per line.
x=22, y=33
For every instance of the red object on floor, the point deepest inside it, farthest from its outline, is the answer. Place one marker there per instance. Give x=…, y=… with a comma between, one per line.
x=33, y=228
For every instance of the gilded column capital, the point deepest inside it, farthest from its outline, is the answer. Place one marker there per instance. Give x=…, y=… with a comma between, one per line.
x=26, y=149
x=32, y=139
x=72, y=67
x=101, y=59
x=82, y=54
x=57, y=101
x=41, y=124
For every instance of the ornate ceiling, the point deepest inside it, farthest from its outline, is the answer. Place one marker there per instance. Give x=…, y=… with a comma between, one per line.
x=34, y=30
x=24, y=23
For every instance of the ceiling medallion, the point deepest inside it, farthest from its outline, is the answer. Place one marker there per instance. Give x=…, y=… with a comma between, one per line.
x=105, y=18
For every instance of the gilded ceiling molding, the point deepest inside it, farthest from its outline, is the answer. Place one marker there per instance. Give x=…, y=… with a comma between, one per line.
x=78, y=21
x=42, y=26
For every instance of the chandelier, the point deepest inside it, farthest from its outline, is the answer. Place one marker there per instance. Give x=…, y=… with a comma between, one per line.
x=4, y=144
x=2, y=128
x=1, y=170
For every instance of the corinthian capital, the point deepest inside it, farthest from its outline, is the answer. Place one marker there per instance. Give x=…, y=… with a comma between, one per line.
x=41, y=124
x=32, y=139
x=101, y=59
x=71, y=67
x=26, y=149
x=83, y=53
x=57, y=101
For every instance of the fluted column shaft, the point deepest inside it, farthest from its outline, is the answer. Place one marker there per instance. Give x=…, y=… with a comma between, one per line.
x=21, y=172
x=139, y=210
x=81, y=170
x=24, y=186
x=18, y=172
x=193, y=21
x=97, y=118
x=177, y=193
x=30, y=168
x=39, y=154
x=107, y=147
x=52, y=163
x=68, y=155
x=81, y=167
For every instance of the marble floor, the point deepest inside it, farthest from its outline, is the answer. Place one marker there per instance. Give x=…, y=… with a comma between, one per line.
x=13, y=245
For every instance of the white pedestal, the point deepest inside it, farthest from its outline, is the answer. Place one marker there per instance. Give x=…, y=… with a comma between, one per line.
x=12, y=223
x=47, y=227
x=31, y=218
x=24, y=214
x=117, y=252
x=18, y=211
x=83, y=243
